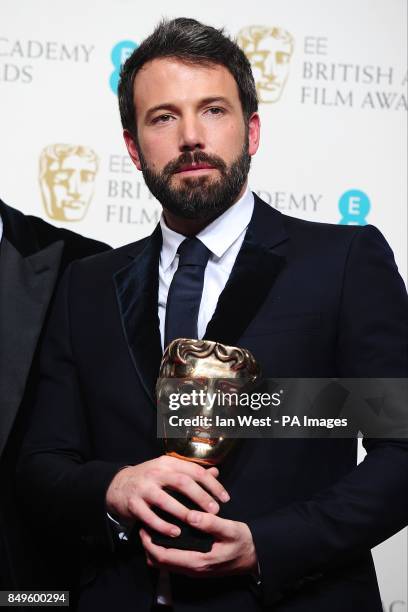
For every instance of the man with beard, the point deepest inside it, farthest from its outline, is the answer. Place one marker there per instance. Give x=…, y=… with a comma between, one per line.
x=310, y=300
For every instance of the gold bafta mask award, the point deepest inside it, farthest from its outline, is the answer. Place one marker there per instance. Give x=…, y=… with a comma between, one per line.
x=195, y=378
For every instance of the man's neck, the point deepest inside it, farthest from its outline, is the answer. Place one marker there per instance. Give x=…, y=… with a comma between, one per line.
x=191, y=227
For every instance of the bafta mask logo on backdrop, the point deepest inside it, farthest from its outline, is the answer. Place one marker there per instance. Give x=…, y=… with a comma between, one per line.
x=354, y=206
x=67, y=180
x=269, y=50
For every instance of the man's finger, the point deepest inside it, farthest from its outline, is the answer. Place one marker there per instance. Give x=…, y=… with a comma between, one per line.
x=170, y=558
x=218, y=527
x=189, y=487
x=204, y=476
x=153, y=521
x=209, y=480
x=149, y=560
x=161, y=499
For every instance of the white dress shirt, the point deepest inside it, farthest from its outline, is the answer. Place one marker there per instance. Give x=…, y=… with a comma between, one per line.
x=223, y=237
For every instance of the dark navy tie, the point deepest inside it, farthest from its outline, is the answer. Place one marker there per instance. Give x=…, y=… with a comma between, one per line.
x=186, y=288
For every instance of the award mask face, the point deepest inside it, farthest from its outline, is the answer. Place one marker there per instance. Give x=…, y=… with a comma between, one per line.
x=207, y=371
x=269, y=49
x=67, y=180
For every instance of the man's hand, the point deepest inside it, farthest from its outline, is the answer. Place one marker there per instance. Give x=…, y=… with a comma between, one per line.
x=134, y=490
x=233, y=551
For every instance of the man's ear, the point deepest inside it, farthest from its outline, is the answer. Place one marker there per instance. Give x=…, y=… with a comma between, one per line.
x=254, y=130
x=132, y=148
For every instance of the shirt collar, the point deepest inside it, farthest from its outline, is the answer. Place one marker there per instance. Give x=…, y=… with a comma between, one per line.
x=218, y=236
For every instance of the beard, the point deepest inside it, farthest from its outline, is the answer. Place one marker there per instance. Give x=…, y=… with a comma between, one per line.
x=201, y=197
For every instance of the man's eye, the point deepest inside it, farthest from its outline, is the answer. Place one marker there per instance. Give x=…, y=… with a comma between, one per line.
x=215, y=110
x=162, y=119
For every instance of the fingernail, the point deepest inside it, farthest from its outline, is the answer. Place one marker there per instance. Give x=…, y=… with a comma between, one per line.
x=175, y=532
x=212, y=507
x=225, y=497
x=194, y=517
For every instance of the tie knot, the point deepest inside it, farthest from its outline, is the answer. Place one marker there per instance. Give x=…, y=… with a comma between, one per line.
x=193, y=252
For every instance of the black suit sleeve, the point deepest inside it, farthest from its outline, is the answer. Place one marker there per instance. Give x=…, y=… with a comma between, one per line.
x=371, y=503
x=56, y=476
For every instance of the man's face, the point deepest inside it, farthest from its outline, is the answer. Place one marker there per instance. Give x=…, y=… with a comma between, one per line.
x=194, y=145
x=70, y=186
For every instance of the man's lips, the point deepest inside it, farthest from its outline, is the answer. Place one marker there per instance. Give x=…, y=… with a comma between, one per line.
x=194, y=167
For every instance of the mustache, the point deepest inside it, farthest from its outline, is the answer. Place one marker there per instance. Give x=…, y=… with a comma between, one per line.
x=195, y=157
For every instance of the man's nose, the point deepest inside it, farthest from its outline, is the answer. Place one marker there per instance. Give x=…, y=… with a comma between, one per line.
x=191, y=135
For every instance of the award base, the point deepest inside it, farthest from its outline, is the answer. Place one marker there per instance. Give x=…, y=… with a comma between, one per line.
x=190, y=538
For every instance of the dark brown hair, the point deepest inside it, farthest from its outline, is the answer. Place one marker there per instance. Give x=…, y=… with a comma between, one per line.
x=193, y=42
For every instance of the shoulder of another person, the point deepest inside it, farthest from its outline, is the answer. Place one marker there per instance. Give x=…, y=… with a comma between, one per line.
x=75, y=245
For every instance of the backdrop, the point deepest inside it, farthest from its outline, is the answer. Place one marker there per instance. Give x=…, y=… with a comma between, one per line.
x=332, y=82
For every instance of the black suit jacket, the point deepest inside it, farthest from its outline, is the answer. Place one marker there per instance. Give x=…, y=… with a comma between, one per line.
x=309, y=300
x=33, y=255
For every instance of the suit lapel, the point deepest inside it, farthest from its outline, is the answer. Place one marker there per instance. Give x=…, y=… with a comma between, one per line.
x=27, y=284
x=137, y=287
x=254, y=272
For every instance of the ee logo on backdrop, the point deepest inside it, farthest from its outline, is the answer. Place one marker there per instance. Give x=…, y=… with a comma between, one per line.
x=354, y=206
x=120, y=52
